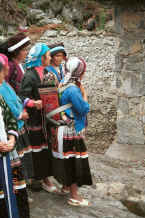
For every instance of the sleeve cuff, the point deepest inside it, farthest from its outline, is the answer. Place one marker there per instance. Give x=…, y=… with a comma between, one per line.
x=12, y=132
x=30, y=103
x=25, y=102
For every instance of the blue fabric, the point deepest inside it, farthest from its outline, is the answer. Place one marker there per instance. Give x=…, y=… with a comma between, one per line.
x=80, y=108
x=13, y=101
x=50, y=68
x=57, y=49
x=13, y=204
x=35, y=54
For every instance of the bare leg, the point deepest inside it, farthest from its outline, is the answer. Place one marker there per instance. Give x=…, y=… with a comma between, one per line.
x=74, y=192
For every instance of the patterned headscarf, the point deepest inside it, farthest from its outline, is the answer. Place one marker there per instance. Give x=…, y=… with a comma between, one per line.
x=73, y=69
x=35, y=54
x=3, y=59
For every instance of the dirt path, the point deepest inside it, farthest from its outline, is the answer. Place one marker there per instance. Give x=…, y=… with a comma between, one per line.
x=109, y=177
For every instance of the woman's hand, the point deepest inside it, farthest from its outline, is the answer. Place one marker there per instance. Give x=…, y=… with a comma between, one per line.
x=3, y=146
x=7, y=147
x=38, y=104
x=25, y=116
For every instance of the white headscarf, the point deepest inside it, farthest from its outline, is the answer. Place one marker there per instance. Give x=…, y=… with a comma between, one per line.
x=73, y=69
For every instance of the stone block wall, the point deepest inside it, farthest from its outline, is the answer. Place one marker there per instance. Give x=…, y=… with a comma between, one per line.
x=130, y=80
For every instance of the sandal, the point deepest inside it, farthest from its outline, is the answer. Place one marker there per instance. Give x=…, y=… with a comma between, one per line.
x=51, y=189
x=64, y=191
x=74, y=202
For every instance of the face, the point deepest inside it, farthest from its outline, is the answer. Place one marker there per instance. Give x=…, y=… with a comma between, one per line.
x=6, y=70
x=46, y=59
x=81, y=76
x=2, y=75
x=58, y=58
x=22, y=55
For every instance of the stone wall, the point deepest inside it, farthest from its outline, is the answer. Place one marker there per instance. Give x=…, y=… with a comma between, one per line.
x=130, y=83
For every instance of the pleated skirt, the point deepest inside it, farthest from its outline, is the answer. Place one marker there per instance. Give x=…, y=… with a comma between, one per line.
x=70, y=157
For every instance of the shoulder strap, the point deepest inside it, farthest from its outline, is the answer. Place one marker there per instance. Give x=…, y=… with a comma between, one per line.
x=58, y=110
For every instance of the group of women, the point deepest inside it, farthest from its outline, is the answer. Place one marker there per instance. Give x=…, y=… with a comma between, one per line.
x=34, y=147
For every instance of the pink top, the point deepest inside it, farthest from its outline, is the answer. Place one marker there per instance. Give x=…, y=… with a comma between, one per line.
x=39, y=70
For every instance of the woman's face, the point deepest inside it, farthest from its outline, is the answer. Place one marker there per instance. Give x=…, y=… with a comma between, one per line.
x=46, y=59
x=6, y=70
x=81, y=76
x=2, y=75
x=58, y=58
x=22, y=55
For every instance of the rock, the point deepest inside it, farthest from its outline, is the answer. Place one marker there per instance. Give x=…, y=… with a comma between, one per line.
x=11, y=30
x=63, y=33
x=109, y=188
x=67, y=14
x=108, y=42
x=49, y=33
x=73, y=15
x=109, y=27
x=72, y=34
x=35, y=15
x=99, y=32
x=134, y=200
x=56, y=6
x=126, y=152
x=2, y=39
x=46, y=20
x=130, y=131
x=86, y=33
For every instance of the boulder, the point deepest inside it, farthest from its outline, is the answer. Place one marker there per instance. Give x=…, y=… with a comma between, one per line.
x=35, y=15
x=46, y=20
x=49, y=33
x=134, y=199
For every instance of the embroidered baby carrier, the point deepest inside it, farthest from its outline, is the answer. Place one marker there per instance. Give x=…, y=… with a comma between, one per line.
x=49, y=97
x=50, y=100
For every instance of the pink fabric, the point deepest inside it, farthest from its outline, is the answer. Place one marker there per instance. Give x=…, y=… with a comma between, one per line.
x=40, y=71
x=3, y=59
x=30, y=103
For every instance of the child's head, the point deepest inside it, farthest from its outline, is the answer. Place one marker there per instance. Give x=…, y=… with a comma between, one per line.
x=58, y=54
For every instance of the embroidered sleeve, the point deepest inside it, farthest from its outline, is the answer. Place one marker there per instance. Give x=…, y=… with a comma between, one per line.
x=10, y=121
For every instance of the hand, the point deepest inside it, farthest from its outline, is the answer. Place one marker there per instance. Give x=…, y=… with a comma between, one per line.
x=60, y=85
x=7, y=147
x=38, y=104
x=3, y=147
x=25, y=116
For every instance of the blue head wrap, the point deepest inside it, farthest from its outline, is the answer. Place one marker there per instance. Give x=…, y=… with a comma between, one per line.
x=57, y=49
x=35, y=54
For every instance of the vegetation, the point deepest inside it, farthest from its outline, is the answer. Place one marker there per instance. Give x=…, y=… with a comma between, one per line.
x=23, y=4
x=124, y=3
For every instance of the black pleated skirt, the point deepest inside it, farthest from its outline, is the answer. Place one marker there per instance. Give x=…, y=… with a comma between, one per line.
x=70, y=157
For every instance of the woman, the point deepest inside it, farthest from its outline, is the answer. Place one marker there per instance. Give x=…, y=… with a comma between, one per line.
x=58, y=55
x=16, y=106
x=15, y=48
x=11, y=205
x=71, y=167
x=35, y=78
